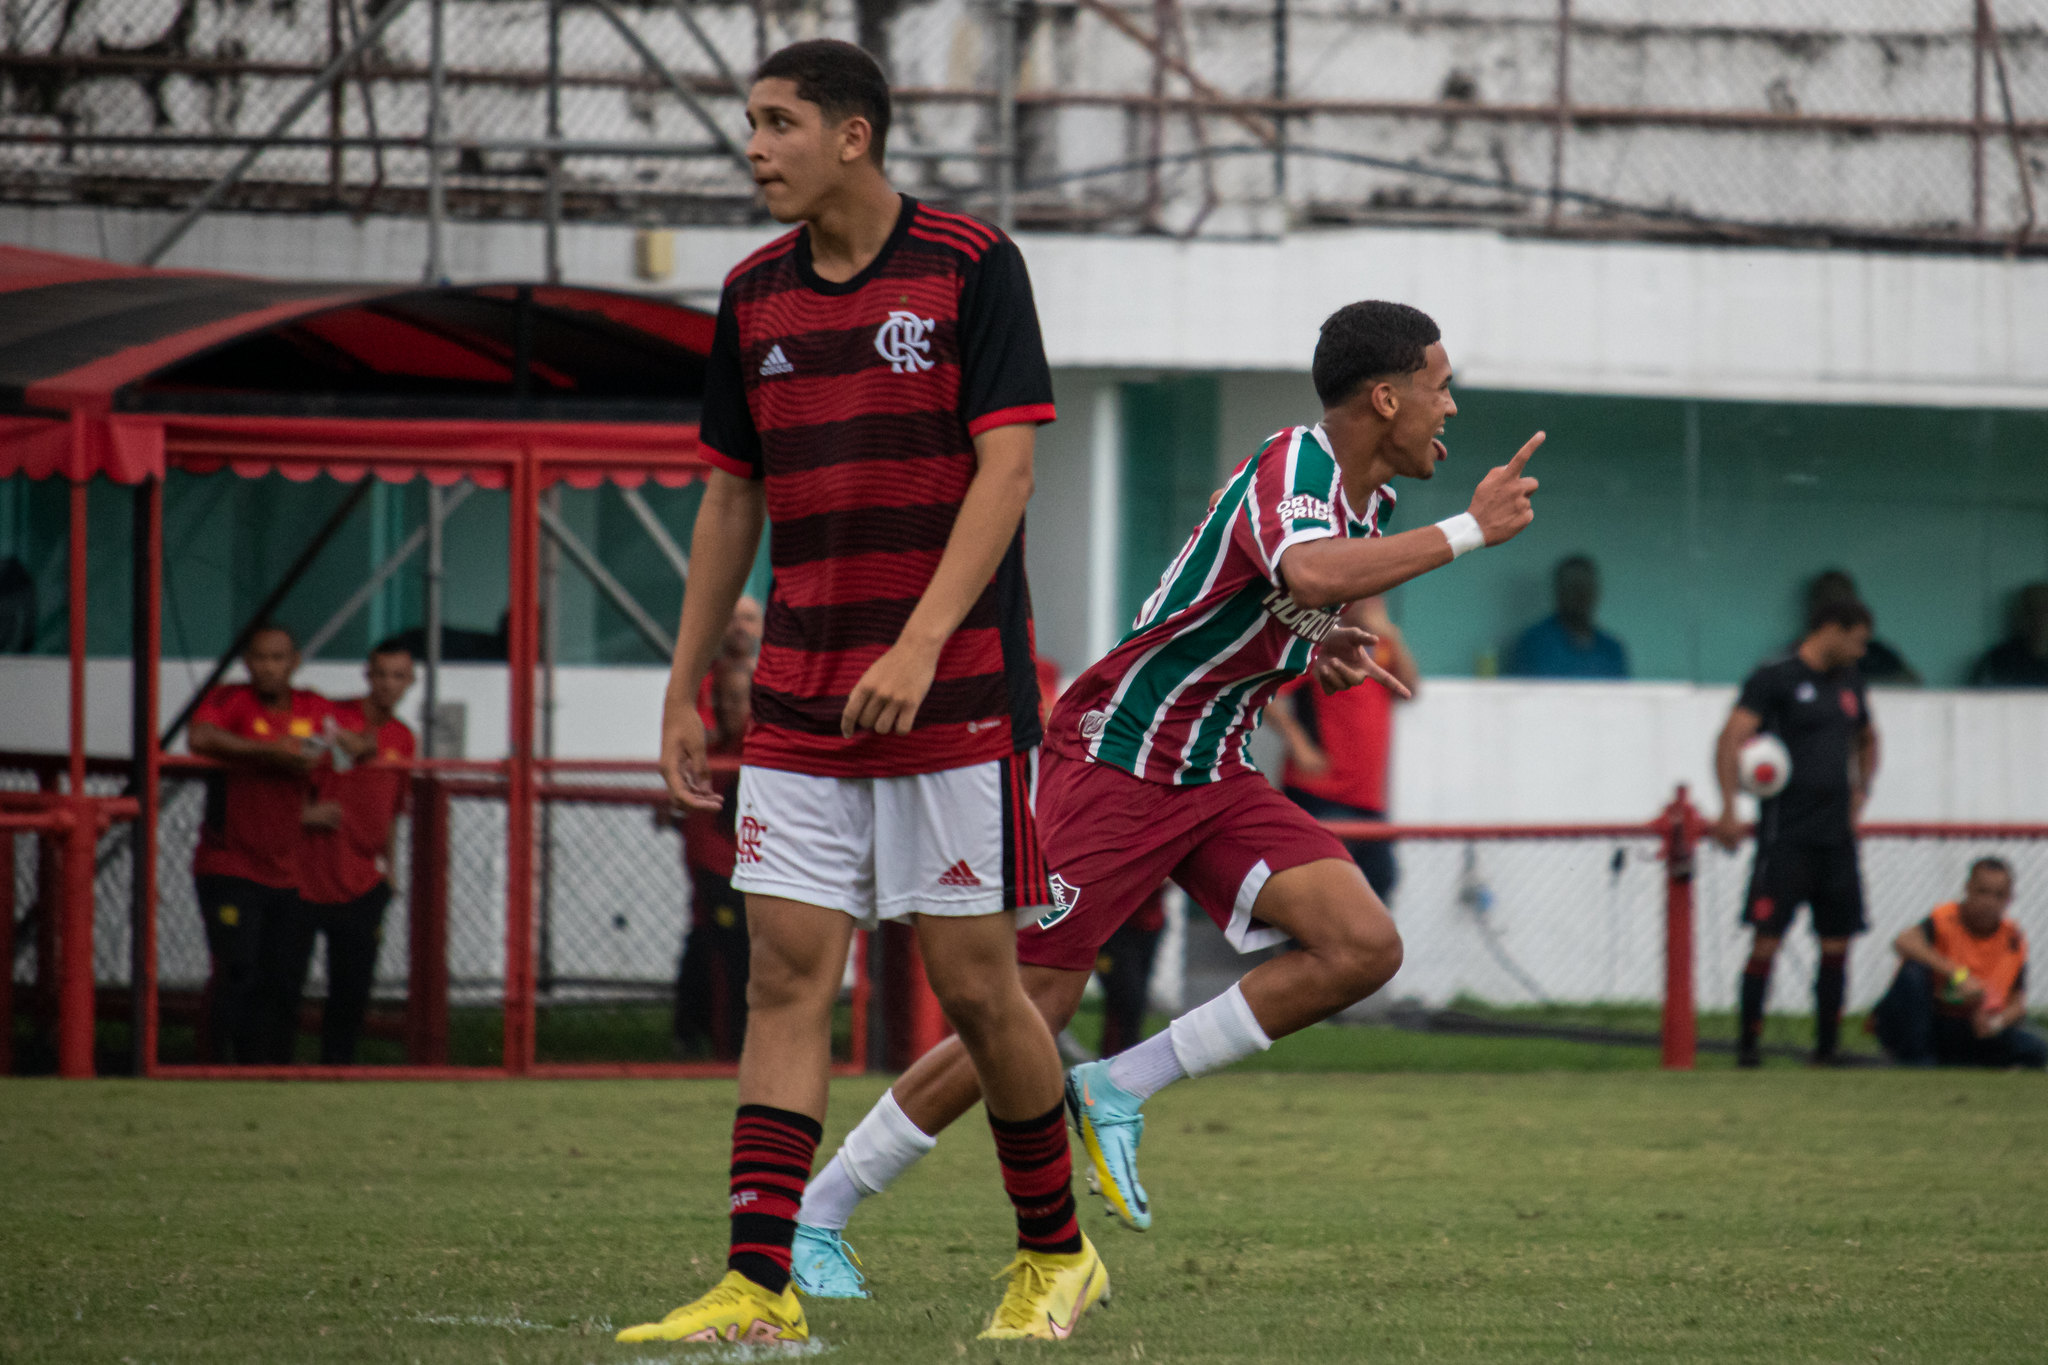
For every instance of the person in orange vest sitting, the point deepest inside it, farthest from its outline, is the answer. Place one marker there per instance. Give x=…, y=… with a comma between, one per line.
x=266, y=734
x=345, y=871
x=1960, y=998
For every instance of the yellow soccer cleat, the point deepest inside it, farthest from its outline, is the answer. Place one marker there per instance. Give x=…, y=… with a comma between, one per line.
x=736, y=1310
x=1048, y=1293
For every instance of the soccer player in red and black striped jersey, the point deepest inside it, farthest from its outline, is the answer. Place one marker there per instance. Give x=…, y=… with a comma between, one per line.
x=873, y=390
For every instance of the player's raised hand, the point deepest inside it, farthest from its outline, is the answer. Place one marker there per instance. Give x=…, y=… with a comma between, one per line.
x=1344, y=660
x=887, y=696
x=683, y=766
x=1501, y=502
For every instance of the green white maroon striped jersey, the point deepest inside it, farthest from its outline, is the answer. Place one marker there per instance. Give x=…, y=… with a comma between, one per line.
x=1178, y=698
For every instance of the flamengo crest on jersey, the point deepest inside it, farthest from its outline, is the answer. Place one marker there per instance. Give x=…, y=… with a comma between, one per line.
x=1178, y=698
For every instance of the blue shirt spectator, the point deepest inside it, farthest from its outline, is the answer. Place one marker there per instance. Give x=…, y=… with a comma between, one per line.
x=1566, y=644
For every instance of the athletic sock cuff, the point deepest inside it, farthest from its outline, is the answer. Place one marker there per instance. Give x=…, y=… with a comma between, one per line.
x=803, y=1123
x=1212, y=1036
x=883, y=1145
x=1056, y=1114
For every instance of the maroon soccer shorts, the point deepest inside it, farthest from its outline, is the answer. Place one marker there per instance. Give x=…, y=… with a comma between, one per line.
x=1110, y=839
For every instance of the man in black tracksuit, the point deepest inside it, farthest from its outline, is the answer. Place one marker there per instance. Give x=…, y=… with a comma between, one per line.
x=1813, y=700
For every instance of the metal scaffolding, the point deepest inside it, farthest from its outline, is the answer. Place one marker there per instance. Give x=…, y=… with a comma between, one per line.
x=1219, y=117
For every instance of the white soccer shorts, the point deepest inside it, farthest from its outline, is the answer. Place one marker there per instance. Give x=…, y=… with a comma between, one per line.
x=959, y=842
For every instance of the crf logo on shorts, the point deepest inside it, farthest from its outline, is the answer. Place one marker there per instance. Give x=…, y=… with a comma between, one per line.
x=905, y=342
x=1065, y=895
x=748, y=836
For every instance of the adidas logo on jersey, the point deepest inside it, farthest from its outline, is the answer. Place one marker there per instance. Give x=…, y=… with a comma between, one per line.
x=776, y=363
x=959, y=874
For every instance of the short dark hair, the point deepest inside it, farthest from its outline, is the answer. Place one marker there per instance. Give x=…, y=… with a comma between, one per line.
x=838, y=77
x=1366, y=341
x=1989, y=864
x=391, y=644
x=1846, y=613
x=269, y=628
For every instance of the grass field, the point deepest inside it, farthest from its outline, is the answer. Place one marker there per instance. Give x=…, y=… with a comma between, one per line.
x=1787, y=1215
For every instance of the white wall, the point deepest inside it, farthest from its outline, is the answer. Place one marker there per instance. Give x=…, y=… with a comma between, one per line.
x=1468, y=751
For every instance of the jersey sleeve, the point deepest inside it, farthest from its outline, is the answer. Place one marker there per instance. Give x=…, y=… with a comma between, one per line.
x=1004, y=377
x=1761, y=694
x=1292, y=499
x=219, y=709
x=726, y=428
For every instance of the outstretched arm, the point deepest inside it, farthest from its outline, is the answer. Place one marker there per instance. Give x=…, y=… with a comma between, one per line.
x=1323, y=573
x=888, y=695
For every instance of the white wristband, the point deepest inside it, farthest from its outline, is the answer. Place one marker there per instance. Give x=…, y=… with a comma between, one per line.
x=1463, y=532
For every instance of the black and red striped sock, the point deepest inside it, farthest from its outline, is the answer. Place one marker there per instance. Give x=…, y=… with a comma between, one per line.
x=1830, y=985
x=771, y=1162
x=1038, y=1174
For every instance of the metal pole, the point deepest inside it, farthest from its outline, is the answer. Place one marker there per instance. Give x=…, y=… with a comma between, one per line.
x=552, y=252
x=1280, y=93
x=278, y=127
x=550, y=650
x=430, y=698
x=659, y=69
x=75, y=918
x=1561, y=120
x=1977, y=47
x=658, y=639
x=437, y=191
x=397, y=560
x=636, y=503
x=147, y=546
x=520, y=649
x=1006, y=114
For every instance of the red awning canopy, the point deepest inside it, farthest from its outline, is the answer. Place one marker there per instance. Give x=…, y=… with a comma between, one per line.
x=114, y=370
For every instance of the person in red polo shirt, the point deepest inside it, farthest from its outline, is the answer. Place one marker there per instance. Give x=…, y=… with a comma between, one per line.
x=267, y=734
x=345, y=870
x=1339, y=745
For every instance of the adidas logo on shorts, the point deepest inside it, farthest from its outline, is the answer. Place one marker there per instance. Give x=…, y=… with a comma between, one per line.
x=777, y=362
x=959, y=874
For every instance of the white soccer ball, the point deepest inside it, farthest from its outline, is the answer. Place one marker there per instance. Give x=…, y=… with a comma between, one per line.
x=1764, y=766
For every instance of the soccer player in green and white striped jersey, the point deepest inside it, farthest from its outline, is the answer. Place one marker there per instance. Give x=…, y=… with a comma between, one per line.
x=1145, y=773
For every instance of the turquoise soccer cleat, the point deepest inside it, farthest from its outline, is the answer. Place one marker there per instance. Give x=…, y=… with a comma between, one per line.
x=1110, y=1124
x=824, y=1266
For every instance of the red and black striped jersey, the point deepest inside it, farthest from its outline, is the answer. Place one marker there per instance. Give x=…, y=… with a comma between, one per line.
x=857, y=405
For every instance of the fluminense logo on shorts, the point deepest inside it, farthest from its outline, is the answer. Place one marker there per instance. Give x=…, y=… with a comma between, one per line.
x=905, y=341
x=1064, y=897
x=1310, y=623
x=1093, y=723
x=1303, y=507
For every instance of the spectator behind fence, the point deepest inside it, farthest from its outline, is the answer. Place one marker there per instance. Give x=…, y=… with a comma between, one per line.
x=711, y=978
x=1960, y=996
x=1338, y=746
x=246, y=869
x=2021, y=659
x=1881, y=663
x=740, y=645
x=345, y=866
x=1567, y=644
x=1812, y=700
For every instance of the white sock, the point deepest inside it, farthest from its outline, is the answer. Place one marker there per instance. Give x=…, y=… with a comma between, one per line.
x=1146, y=1068
x=1213, y=1036
x=881, y=1147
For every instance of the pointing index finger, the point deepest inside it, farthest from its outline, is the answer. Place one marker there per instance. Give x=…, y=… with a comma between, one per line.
x=1522, y=456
